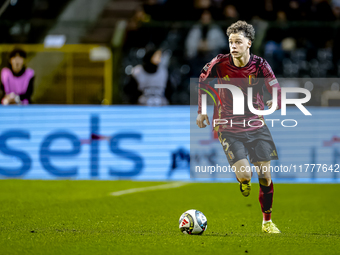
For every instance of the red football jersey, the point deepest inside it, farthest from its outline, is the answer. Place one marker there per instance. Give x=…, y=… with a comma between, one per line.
x=256, y=72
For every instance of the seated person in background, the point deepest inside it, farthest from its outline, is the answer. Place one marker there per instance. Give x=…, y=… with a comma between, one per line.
x=17, y=80
x=148, y=83
x=204, y=41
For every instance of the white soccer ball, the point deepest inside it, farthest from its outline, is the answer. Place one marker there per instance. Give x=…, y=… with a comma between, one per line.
x=192, y=222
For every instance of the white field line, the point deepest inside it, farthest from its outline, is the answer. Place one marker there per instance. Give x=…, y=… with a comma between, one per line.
x=143, y=189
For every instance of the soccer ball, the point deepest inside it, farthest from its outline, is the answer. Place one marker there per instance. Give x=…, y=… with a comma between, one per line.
x=192, y=222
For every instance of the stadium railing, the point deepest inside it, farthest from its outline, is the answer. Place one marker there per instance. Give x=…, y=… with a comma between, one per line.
x=71, y=74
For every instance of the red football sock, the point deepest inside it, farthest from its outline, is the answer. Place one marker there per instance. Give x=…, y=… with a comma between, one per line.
x=266, y=200
x=267, y=216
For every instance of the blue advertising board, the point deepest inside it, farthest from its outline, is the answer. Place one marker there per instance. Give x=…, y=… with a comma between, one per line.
x=143, y=143
x=88, y=142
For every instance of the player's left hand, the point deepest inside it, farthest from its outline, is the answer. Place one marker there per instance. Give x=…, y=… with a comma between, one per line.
x=270, y=103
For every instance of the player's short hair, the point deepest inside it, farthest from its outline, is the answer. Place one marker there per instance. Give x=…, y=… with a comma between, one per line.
x=242, y=26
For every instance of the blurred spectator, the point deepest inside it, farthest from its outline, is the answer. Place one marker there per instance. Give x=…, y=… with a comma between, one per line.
x=149, y=83
x=281, y=18
x=138, y=18
x=336, y=8
x=230, y=13
x=214, y=7
x=17, y=80
x=246, y=9
x=204, y=41
x=274, y=51
x=269, y=13
x=202, y=4
x=136, y=35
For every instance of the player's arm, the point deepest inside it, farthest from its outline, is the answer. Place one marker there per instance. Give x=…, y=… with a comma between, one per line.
x=201, y=117
x=271, y=82
x=207, y=72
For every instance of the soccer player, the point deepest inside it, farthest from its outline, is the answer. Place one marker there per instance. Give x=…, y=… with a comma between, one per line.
x=241, y=140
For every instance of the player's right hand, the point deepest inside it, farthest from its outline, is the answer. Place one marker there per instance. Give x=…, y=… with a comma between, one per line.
x=200, y=120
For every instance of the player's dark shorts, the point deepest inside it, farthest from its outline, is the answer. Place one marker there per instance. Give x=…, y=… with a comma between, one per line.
x=257, y=144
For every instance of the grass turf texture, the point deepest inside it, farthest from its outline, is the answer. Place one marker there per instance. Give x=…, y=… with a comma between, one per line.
x=80, y=217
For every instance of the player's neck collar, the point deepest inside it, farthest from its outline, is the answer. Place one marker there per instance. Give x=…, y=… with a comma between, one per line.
x=249, y=61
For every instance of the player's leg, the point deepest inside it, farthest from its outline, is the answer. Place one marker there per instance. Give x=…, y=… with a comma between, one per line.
x=266, y=188
x=266, y=195
x=237, y=157
x=262, y=150
x=243, y=175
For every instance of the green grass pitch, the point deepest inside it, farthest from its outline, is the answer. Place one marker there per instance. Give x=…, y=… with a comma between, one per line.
x=80, y=217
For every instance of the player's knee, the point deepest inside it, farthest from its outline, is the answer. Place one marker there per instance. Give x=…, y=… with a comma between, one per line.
x=262, y=163
x=265, y=181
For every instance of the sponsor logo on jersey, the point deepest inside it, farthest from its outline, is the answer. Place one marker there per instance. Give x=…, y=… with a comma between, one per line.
x=206, y=67
x=271, y=83
x=226, y=78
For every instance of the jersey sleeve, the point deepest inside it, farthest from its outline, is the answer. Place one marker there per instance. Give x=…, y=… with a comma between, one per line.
x=271, y=81
x=208, y=72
